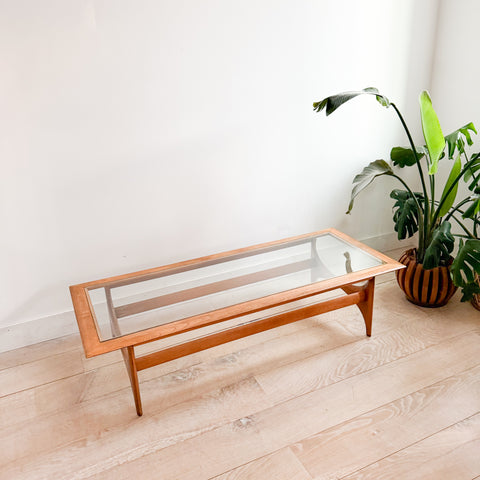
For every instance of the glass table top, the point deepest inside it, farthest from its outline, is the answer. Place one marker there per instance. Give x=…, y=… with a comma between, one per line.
x=127, y=305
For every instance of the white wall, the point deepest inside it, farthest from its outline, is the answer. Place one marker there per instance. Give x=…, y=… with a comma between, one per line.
x=456, y=73
x=138, y=133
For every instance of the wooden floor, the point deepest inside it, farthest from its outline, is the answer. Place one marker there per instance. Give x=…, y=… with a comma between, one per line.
x=312, y=400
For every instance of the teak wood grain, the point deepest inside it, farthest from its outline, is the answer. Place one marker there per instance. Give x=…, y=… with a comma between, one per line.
x=251, y=328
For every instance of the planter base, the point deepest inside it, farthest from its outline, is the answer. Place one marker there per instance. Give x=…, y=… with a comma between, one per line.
x=476, y=302
x=426, y=288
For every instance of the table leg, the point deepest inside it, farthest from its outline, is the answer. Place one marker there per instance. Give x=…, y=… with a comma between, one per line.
x=128, y=354
x=129, y=357
x=366, y=307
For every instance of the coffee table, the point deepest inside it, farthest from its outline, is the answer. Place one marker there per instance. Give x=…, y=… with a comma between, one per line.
x=225, y=297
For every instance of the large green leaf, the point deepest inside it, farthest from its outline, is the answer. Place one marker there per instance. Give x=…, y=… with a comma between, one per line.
x=454, y=139
x=404, y=157
x=440, y=247
x=466, y=263
x=473, y=172
x=474, y=207
x=447, y=199
x=368, y=175
x=405, y=214
x=330, y=104
x=469, y=290
x=432, y=131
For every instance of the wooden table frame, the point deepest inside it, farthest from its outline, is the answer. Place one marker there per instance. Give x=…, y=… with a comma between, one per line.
x=360, y=295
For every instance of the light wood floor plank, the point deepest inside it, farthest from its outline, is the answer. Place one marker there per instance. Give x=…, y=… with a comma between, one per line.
x=158, y=393
x=31, y=404
x=352, y=359
x=38, y=351
x=138, y=436
x=451, y=453
x=108, y=379
x=327, y=389
x=46, y=370
x=224, y=448
x=353, y=445
x=281, y=465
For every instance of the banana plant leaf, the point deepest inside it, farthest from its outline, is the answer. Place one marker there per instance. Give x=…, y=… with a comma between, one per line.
x=439, y=250
x=404, y=157
x=405, y=214
x=454, y=139
x=447, y=199
x=368, y=175
x=466, y=263
x=330, y=104
x=432, y=131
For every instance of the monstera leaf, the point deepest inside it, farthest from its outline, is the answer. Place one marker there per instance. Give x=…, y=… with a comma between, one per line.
x=368, y=175
x=455, y=140
x=330, y=104
x=466, y=263
x=469, y=290
x=473, y=173
x=404, y=157
x=440, y=247
x=405, y=214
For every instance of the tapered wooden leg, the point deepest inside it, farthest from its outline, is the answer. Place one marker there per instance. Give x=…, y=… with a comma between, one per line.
x=128, y=353
x=129, y=357
x=366, y=307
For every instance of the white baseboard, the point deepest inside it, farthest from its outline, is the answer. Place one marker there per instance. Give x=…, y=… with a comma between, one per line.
x=386, y=242
x=55, y=326
x=36, y=331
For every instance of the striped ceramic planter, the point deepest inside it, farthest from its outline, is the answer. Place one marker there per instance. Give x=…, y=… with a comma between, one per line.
x=427, y=288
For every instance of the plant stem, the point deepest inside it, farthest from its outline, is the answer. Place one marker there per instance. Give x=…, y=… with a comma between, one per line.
x=423, y=231
x=474, y=157
x=475, y=220
x=470, y=234
x=476, y=182
x=432, y=192
x=463, y=202
x=400, y=179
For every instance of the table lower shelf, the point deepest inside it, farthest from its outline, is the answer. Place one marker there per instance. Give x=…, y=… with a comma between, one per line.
x=362, y=296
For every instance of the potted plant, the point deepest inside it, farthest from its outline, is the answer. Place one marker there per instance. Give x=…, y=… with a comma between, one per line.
x=466, y=265
x=427, y=280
